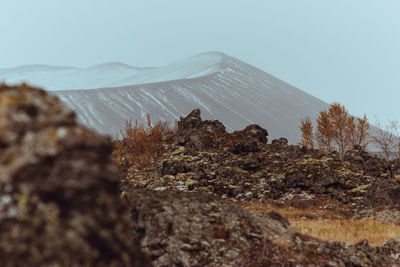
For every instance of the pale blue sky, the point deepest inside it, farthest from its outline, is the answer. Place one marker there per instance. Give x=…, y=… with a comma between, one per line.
x=337, y=50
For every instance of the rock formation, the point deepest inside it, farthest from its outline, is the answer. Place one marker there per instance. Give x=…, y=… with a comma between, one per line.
x=59, y=196
x=202, y=157
x=191, y=228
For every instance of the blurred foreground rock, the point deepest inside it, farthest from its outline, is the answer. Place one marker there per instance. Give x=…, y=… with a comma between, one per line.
x=59, y=196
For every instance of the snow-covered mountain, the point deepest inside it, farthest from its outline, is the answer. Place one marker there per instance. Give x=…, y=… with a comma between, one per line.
x=111, y=74
x=223, y=87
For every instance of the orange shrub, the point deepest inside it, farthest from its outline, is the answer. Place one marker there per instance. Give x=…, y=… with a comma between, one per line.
x=307, y=133
x=139, y=146
x=336, y=130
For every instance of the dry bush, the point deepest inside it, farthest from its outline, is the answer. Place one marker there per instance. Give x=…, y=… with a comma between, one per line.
x=139, y=146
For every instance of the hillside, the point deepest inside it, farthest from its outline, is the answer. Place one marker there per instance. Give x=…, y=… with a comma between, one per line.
x=235, y=92
x=220, y=85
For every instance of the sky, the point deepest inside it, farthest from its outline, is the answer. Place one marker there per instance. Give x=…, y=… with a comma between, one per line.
x=337, y=50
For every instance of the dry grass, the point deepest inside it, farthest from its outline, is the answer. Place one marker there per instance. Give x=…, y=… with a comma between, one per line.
x=348, y=231
x=329, y=224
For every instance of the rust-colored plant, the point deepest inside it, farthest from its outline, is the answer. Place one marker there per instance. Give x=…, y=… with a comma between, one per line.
x=339, y=118
x=139, y=146
x=307, y=133
x=361, y=134
x=325, y=131
x=336, y=130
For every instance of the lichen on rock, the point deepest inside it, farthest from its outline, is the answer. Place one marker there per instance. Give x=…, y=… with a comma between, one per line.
x=243, y=166
x=59, y=192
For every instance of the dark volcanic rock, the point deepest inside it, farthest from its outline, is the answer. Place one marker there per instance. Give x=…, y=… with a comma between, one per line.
x=248, y=163
x=254, y=131
x=242, y=166
x=189, y=229
x=238, y=147
x=194, y=122
x=371, y=165
x=280, y=142
x=59, y=196
x=196, y=134
x=383, y=193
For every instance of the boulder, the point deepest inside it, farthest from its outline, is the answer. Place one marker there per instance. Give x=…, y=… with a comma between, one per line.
x=280, y=142
x=59, y=192
x=194, y=122
x=196, y=134
x=253, y=132
x=383, y=193
x=191, y=121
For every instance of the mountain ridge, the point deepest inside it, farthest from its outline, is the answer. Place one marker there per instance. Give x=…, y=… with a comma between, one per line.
x=106, y=95
x=110, y=74
x=234, y=91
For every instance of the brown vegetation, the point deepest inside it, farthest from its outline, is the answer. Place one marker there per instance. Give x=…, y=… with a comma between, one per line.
x=348, y=231
x=326, y=224
x=139, y=146
x=307, y=133
x=336, y=130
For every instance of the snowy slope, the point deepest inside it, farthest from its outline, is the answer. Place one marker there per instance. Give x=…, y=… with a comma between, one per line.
x=223, y=87
x=109, y=74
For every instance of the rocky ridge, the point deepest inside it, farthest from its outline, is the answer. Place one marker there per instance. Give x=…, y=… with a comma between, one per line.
x=202, y=157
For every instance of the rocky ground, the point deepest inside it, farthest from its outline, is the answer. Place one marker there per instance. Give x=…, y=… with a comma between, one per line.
x=194, y=229
x=241, y=166
x=60, y=203
x=201, y=157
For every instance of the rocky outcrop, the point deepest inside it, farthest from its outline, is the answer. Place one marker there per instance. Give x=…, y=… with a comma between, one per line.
x=192, y=229
x=196, y=134
x=243, y=166
x=370, y=165
x=253, y=132
x=59, y=196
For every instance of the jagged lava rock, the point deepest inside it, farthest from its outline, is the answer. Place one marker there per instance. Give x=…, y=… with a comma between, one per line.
x=59, y=195
x=242, y=166
x=254, y=131
x=196, y=134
